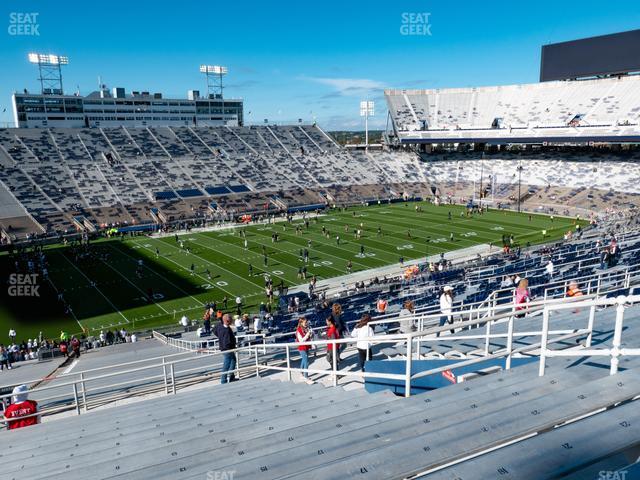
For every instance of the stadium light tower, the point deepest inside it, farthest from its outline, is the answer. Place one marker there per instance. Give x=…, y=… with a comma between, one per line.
x=214, y=74
x=50, y=68
x=366, y=111
x=519, y=184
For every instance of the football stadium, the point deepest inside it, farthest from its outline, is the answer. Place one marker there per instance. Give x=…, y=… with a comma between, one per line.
x=406, y=269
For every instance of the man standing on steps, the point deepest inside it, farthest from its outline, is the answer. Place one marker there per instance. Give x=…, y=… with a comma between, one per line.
x=226, y=341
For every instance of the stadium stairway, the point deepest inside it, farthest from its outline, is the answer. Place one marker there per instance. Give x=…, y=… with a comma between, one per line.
x=267, y=429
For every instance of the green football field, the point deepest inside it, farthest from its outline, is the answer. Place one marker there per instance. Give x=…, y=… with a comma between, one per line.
x=105, y=291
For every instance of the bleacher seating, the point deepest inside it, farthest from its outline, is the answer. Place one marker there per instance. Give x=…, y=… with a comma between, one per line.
x=114, y=176
x=604, y=108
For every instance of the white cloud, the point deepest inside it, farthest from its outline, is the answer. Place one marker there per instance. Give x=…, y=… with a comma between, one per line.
x=349, y=86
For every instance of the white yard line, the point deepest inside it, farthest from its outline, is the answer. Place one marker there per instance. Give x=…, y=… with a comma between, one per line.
x=96, y=287
x=158, y=275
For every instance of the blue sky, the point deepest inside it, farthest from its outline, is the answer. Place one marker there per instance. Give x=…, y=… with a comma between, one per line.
x=297, y=59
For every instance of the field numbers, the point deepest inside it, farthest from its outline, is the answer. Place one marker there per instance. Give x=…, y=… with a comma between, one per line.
x=325, y=263
x=365, y=255
x=469, y=234
x=406, y=246
x=278, y=272
x=222, y=283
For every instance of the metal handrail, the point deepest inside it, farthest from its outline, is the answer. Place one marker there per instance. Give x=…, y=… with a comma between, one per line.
x=627, y=274
x=548, y=337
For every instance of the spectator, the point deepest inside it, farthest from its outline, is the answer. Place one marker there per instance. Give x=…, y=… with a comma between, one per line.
x=5, y=360
x=381, y=306
x=446, y=308
x=237, y=323
x=226, y=342
x=361, y=331
x=257, y=324
x=507, y=282
x=573, y=290
x=21, y=407
x=184, y=321
x=75, y=346
x=522, y=297
x=134, y=338
x=406, y=326
x=549, y=269
x=304, y=334
x=332, y=334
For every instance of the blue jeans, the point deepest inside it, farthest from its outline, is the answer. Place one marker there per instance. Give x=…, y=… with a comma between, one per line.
x=443, y=319
x=228, y=365
x=304, y=361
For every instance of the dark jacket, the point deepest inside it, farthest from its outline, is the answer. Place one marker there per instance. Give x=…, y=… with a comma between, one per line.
x=226, y=337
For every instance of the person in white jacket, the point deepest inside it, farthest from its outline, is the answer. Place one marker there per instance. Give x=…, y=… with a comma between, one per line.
x=360, y=331
x=446, y=307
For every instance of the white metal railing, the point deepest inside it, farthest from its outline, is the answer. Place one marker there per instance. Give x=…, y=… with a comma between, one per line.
x=413, y=341
x=594, y=284
x=205, y=345
x=160, y=373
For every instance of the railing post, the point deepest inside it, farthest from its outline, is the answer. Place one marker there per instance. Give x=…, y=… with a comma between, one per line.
x=288, y=363
x=334, y=366
x=487, y=339
x=543, y=342
x=84, y=392
x=507, y=365
x=237, y=354
x=407, y=380
x=257, y=363
x=592, y=317
x=617, y=335
x=164, y=376
x=173, y=378
x=75, y=398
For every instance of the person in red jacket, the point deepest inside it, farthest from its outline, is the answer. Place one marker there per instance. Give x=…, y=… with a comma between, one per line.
x=21, y=407
x=304, y=334
x=332, y=334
